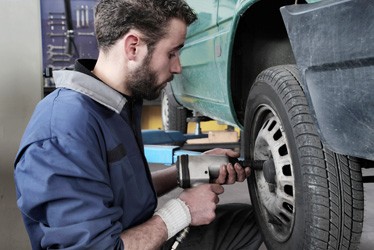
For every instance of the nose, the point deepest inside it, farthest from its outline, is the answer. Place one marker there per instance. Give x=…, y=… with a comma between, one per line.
x=176, y=67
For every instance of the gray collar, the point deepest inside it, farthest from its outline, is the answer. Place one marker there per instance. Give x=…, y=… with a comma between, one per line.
x=91, y=87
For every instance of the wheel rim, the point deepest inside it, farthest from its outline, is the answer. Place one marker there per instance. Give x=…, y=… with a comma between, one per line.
x=275, y=195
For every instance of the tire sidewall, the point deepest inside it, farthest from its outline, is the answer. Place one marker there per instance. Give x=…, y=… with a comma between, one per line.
x=260, y=94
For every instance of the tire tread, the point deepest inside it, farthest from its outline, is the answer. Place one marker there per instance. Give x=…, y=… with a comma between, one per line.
x=333, y=181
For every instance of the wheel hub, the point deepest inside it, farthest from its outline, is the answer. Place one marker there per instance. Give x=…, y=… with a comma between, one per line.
x=275, y=182
x=269, y=171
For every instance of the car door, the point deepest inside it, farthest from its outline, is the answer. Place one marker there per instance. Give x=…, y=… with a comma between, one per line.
x=198, y=82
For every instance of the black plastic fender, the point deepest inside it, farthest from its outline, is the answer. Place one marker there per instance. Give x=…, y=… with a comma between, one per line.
x=333, y=44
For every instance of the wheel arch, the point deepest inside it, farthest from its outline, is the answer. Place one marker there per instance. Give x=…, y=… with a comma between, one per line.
x=260, y=41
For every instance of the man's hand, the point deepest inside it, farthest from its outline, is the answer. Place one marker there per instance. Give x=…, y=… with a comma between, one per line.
x=202, y=202
x=229, y=174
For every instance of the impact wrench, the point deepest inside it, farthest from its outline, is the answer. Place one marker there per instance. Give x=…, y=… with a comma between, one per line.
x=194, y=170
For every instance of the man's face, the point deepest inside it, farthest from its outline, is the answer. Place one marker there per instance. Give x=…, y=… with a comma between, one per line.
x=158, y=67
x=143, y=81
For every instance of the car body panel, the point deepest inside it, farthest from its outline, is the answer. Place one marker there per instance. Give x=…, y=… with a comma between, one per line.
x=208, y=50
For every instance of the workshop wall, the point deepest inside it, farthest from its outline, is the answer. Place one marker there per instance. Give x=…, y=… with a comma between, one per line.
x=21, y=89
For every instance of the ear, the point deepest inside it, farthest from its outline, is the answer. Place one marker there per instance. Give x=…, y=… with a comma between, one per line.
x=132, y=45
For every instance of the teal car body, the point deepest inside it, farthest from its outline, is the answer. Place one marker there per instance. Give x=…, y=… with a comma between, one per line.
x=205, y=58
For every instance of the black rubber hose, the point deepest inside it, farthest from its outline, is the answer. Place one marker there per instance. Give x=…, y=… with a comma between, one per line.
x=70, y=45
x=69, y=21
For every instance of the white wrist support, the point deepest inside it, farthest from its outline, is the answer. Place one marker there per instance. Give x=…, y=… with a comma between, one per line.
x=175, y=215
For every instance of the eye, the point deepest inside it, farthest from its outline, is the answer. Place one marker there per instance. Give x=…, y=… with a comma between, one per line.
x=174, y=54
x=171, y=55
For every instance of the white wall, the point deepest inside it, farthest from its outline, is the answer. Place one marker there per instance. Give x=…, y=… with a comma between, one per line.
x=20, y=90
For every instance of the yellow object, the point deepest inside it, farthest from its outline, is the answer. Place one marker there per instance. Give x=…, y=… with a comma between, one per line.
x=151, y=117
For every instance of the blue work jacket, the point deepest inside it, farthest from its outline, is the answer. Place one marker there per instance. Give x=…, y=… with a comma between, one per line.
x=81, y=175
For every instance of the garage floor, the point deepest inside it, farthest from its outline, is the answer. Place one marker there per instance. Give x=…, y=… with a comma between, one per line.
x=13, y=235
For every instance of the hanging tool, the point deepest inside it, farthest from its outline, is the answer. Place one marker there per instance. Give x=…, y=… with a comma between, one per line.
x=87, y=20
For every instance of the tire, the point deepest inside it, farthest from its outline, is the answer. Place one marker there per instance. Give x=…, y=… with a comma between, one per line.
x=174, y=116
x=310, y=198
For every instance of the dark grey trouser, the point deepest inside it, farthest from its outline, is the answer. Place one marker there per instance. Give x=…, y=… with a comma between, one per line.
x=234, y=228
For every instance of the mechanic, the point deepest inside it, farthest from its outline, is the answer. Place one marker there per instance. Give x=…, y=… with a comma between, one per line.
x=82, y=179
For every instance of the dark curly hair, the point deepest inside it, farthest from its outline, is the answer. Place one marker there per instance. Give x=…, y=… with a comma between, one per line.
x=114, y=18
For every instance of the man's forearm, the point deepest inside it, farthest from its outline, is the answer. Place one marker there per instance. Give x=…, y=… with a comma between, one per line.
x=165, y=180
x=150, y=235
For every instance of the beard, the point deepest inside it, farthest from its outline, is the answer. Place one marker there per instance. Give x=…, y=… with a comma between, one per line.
x=142, y=82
